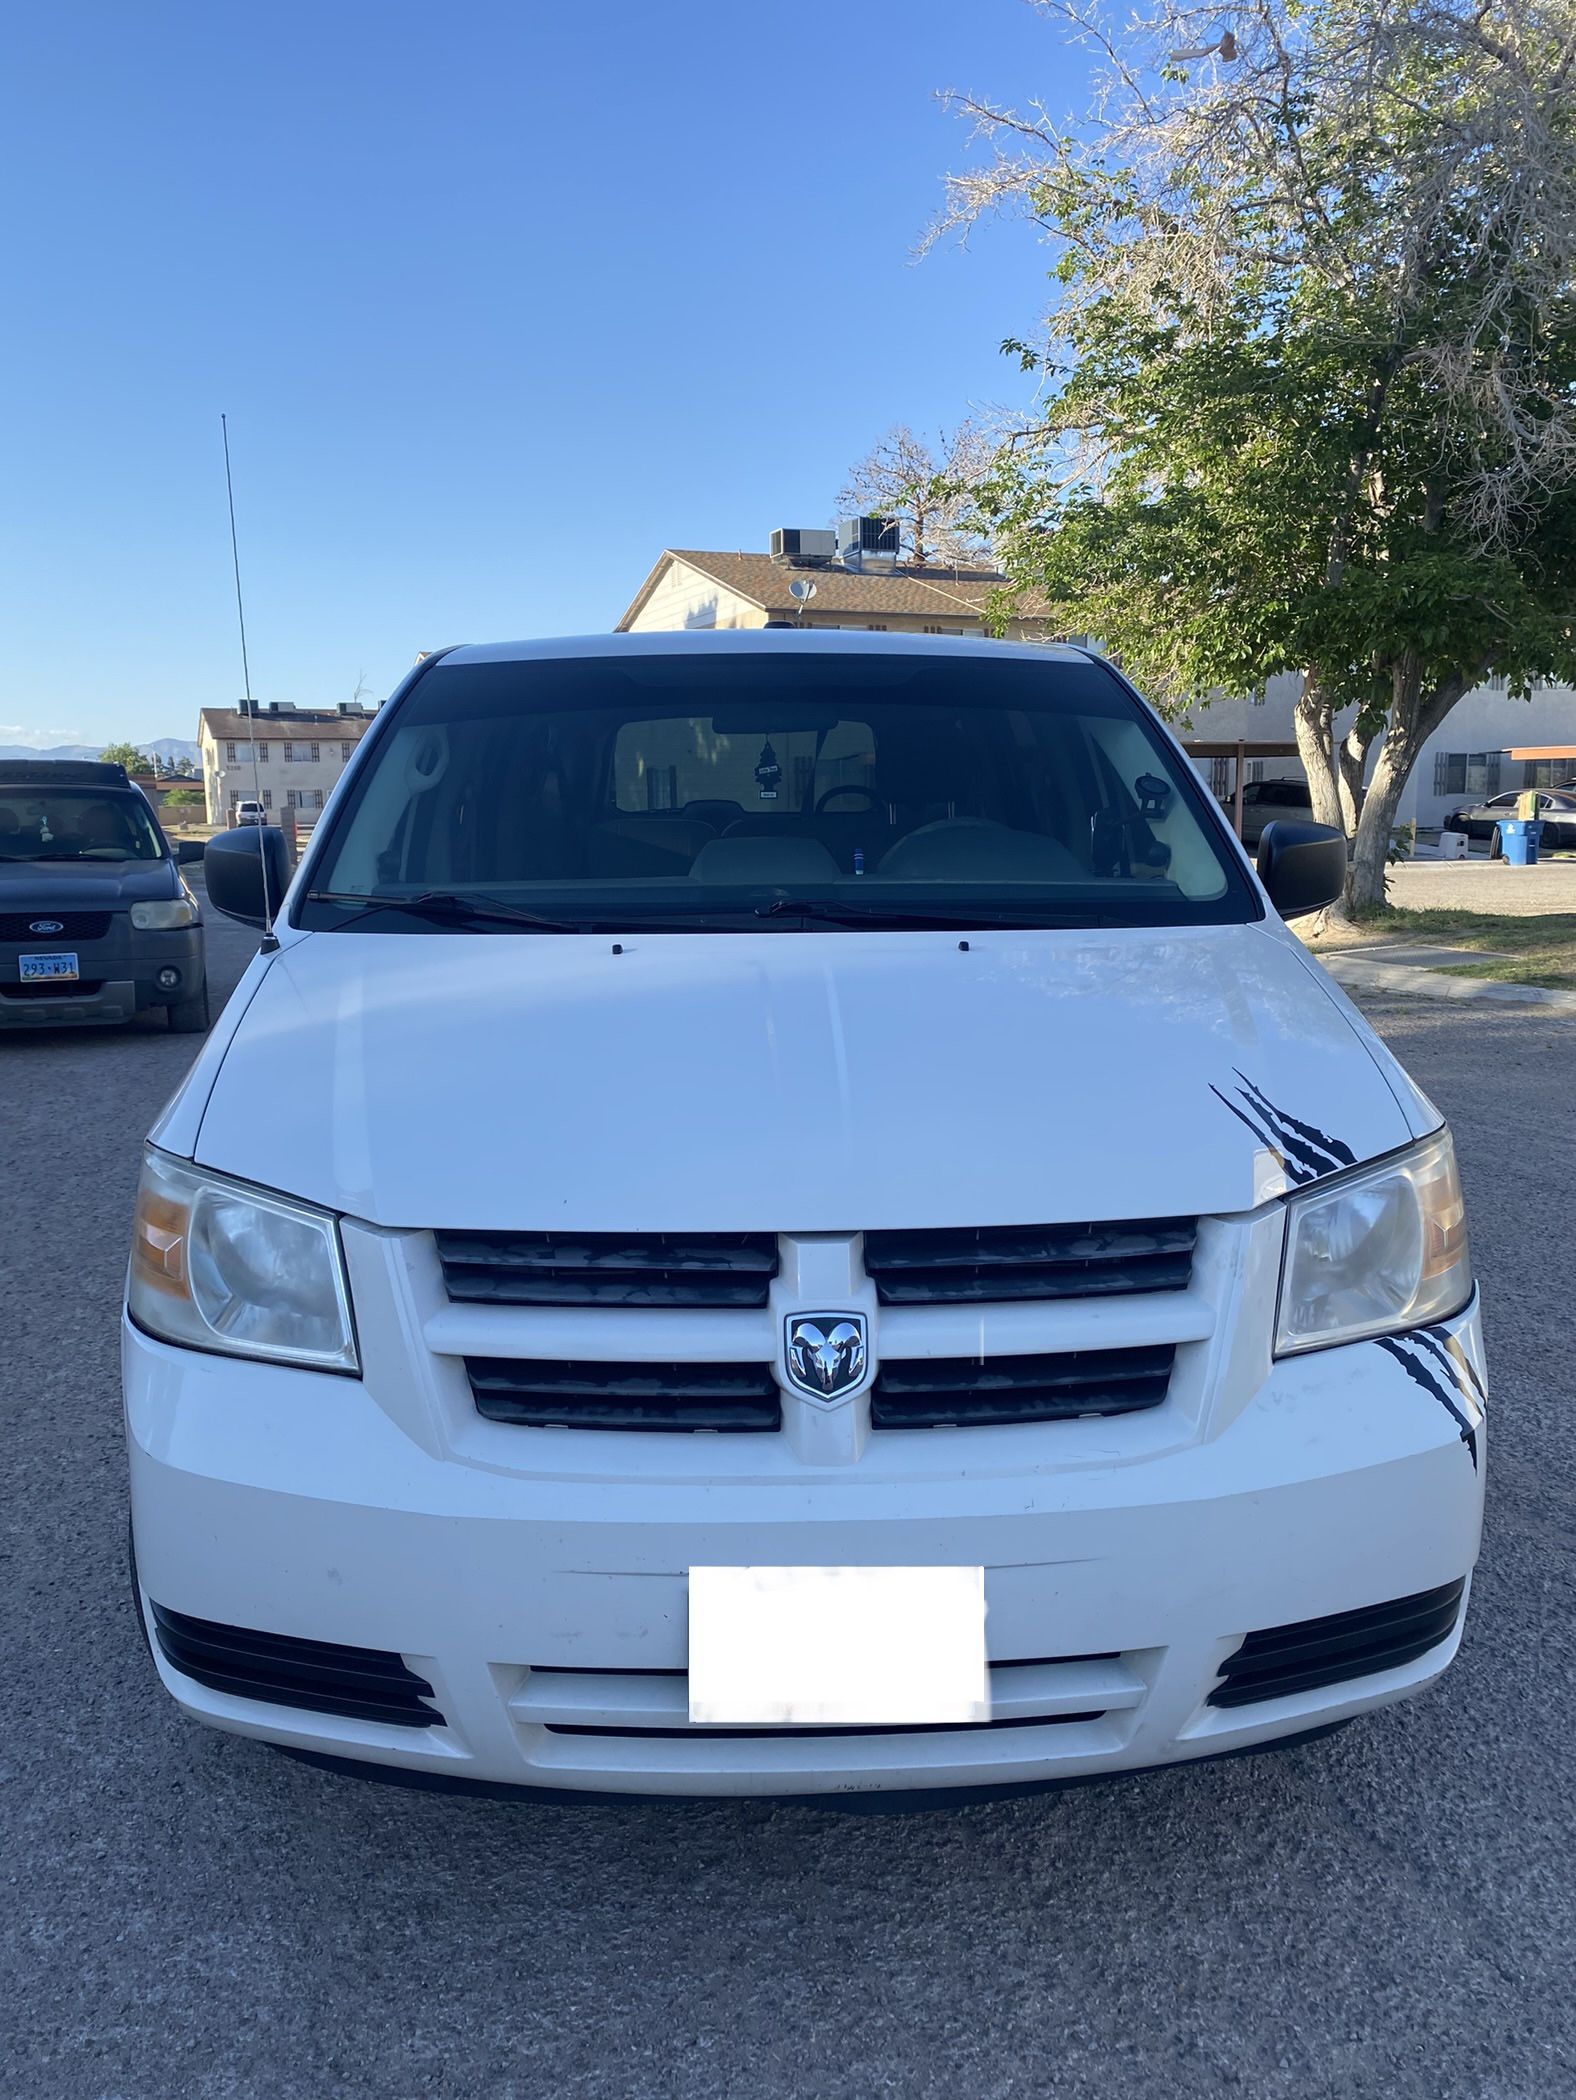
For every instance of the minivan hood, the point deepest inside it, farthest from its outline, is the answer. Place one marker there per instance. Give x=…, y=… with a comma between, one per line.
x=83, y=885
x=799, y=1082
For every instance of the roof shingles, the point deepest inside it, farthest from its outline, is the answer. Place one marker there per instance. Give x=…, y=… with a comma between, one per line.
x=945, y=592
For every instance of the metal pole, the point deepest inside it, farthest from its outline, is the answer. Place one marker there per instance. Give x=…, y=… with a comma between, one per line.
x=1237, y=820
x=246, y=680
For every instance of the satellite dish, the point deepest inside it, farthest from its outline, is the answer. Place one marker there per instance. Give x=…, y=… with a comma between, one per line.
x=801, y=590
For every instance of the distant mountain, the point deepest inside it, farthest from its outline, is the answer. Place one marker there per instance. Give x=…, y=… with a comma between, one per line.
x=170, y=747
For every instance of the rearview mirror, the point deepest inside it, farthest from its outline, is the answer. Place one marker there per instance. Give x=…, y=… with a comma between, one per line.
x=1303, y=866
x=186, y=851
x=247, y=872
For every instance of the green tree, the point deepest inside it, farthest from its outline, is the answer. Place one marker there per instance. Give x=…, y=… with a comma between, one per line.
x=184, y=798
x=1310, y=371
x=127, y=755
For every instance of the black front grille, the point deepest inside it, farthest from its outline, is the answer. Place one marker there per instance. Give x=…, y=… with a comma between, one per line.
x=364, y=1684
x=711, y=1269
x=591, y=1395
x=54, y=988
x=1315, y=1652
x=752, y=1734
x=1001, y=1675
x=952, y=1392
x=1000, y=1263
x=73, y=926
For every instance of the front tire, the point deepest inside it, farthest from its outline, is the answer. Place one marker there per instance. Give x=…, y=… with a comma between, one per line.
x=189, y=1016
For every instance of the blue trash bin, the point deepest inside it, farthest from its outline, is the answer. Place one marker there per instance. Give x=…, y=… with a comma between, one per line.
x=1518, y=840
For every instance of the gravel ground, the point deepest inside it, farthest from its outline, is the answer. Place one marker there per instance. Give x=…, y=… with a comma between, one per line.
x=1484, y=885
x=190, y=1916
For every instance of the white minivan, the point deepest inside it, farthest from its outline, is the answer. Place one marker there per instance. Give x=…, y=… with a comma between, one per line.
x=780, y=1213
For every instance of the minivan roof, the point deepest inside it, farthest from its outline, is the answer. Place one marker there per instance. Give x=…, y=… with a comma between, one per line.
x=758, y=641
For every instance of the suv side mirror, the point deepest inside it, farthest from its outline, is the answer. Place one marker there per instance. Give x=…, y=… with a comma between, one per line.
x=186, y=851
x=1303, y=866
x=247, y=872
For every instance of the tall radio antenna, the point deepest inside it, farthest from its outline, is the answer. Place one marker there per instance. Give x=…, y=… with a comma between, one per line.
x=246, y=680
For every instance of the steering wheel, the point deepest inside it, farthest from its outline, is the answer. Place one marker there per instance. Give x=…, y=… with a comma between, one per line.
x=872, y=799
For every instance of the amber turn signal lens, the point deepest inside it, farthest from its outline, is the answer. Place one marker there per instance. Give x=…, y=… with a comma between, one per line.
x=158, y=1242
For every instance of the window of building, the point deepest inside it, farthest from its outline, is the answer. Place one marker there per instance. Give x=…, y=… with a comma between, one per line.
x=268, y=798
x=345, y=751
x=1466, y=772
x=1547, y=772
x=289, y=757
x=662, y=787
x=1220, y=776
x=262, y=753
x=229, y=754
x=931, y=630
x=875, y=627
x=302, y=754
x=316, y=753
x=1255, y=769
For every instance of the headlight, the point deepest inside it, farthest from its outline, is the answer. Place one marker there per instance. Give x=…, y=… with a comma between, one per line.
x=217, y=1265
x=1380, y=1250
x=179, y=911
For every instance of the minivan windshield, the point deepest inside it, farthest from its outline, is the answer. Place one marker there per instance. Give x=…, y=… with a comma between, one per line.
x=49, y=823
x=708, y=793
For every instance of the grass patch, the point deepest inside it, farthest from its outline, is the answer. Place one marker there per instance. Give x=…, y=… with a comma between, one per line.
x=1536, y=950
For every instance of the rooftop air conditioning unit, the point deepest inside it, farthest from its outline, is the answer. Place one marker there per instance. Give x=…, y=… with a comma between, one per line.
x=868, y=539
x=796, y=543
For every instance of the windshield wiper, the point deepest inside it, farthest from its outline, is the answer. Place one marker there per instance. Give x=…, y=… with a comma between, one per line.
x=835, y=914
x=445, y=908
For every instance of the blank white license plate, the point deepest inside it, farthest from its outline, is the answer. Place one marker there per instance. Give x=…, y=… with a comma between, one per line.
x=41, y=968
x=829, y=1647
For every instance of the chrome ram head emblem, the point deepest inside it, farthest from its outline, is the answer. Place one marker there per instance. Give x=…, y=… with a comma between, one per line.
x=826, y=1353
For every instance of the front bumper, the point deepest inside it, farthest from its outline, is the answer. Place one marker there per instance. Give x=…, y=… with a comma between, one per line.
x=118, y=978
x=544, y=1597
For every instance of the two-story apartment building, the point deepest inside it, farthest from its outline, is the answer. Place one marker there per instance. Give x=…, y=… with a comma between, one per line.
x=290, y=757
x=1488, y=744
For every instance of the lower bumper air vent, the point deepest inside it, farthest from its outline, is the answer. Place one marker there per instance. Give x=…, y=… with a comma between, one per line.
x=1315, y=1652
x=363, y=1684
x=591, y=1395
x=963, y=1392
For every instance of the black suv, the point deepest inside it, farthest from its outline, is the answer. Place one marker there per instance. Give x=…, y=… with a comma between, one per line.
x=96, y=921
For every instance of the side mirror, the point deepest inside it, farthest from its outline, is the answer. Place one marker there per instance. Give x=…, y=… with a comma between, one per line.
x=186, y=851
x=247, y=872
x=1303, y=866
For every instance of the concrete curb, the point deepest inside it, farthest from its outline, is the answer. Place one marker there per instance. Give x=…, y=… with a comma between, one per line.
x=1434, y=984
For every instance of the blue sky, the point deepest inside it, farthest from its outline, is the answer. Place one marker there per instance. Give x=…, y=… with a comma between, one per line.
x=500, y=299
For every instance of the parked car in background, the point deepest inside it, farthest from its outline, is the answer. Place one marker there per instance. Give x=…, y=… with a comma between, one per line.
x=96, y=922
x=908, y=1156
x=1269, y=802
x=250, y=812
x=1556, y=811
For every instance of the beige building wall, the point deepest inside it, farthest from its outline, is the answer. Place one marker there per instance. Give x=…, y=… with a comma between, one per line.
x=318, y=751
x=687, y=599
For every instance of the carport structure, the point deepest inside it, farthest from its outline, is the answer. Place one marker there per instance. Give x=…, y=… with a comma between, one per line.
x=1240, y=750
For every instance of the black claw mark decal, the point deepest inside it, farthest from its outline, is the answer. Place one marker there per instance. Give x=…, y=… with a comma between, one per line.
x=1263, y=1136
x=1444, y=1344
x=1304, y=1152
x=1439, y=1355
